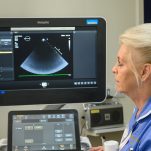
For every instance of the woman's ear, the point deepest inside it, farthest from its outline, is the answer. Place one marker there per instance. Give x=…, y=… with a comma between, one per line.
x=145, y=72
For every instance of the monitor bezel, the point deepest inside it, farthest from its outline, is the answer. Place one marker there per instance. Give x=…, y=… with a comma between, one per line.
x=66, y=95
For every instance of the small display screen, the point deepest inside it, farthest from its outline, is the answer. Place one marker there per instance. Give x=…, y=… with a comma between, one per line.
x=44, y=132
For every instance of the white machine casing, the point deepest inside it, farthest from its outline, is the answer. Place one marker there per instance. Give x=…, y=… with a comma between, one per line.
x=105, y=115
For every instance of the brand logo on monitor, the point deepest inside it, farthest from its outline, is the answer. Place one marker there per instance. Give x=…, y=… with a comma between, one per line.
x=45, y=22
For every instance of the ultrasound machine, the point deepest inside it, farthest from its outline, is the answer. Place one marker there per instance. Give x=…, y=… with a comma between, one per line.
x=43, y=130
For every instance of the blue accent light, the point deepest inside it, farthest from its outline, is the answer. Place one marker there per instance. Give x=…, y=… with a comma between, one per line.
x=92, y=21
x=2, y=92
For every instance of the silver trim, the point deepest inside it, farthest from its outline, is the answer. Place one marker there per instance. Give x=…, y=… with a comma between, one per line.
x=41, y=28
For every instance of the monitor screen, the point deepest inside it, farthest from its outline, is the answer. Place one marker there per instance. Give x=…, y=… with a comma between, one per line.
x=52, y=60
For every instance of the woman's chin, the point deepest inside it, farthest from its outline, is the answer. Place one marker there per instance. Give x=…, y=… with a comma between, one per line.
x=119, y=90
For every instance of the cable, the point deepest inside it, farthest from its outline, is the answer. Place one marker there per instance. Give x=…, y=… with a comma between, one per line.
x=103, y=140
x=83, y=117
x=109, y=96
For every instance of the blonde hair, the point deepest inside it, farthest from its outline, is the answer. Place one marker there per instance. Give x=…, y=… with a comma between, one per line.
x=138, y=38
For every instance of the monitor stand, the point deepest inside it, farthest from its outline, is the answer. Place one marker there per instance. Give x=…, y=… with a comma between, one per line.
x=53, y=107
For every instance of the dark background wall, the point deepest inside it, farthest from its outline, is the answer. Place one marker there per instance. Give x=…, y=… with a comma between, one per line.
x=147, y=11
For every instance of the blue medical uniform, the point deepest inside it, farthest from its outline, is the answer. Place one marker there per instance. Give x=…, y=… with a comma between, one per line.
x=138, y=137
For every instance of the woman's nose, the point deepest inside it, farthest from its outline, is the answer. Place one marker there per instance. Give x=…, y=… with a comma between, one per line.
x=114, y=70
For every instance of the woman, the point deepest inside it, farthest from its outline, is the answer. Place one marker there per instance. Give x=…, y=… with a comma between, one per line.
x=133, y=78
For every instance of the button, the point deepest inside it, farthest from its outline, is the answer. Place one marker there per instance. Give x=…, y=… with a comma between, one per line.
x=44, y=84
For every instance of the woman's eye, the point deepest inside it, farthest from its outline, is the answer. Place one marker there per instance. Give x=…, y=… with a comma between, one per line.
x=119, y=64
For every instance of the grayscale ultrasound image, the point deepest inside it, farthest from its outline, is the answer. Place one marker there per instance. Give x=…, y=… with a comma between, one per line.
x=39, y=55
x=46, y=59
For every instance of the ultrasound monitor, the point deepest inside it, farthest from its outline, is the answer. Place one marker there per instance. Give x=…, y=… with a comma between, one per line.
x=52, y=60
x=43, y=130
